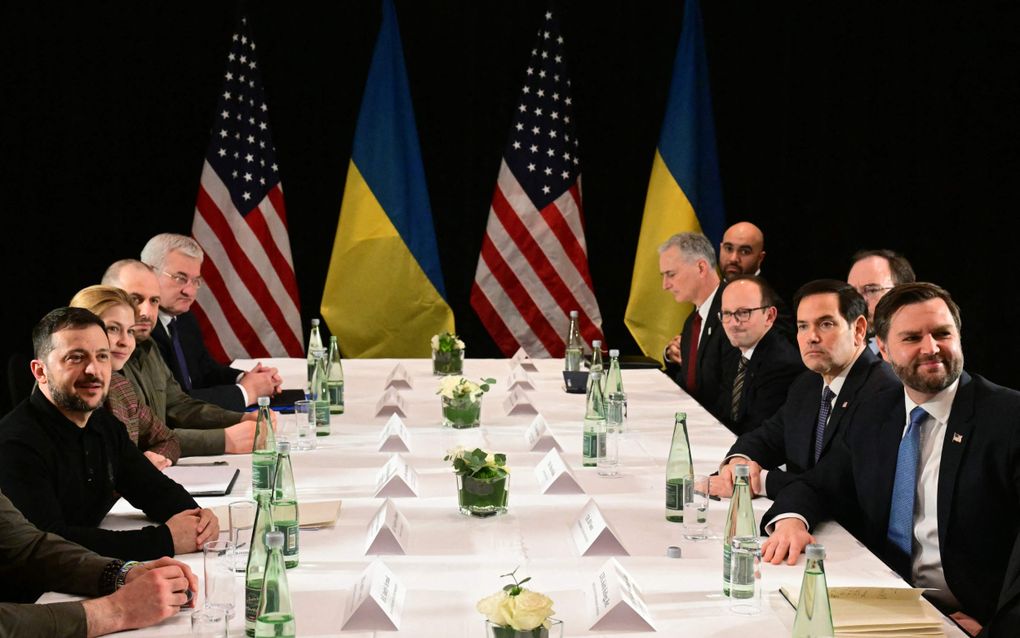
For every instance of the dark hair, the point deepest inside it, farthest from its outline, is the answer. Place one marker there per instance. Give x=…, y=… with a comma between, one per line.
x=899, y=267
x=851, y=303
x=768, y=294
x=57, y=320
x=905, y=295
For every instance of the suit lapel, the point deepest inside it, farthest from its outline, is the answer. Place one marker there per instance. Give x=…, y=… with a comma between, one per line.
x=957, y=437
x=844, y=401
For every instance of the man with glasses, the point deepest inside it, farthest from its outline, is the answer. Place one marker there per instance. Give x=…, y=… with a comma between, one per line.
x=873, y=273
x=177, y=261
x=756, y=380
x=822, y=401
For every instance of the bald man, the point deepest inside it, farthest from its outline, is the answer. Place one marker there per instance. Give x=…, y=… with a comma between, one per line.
x=741, y=252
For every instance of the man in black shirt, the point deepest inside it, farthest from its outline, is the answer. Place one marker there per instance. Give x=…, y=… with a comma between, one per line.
x=63, y=457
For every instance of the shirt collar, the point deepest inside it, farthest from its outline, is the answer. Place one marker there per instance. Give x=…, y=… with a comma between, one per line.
x=840, y=379
x=706, y=305
x=165, y=319
x=938, y=406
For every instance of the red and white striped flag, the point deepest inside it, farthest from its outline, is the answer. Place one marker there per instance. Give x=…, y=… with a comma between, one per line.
x=533, y=267
x=249, y=306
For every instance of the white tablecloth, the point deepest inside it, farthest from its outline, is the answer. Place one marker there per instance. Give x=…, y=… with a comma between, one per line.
x=452, y=560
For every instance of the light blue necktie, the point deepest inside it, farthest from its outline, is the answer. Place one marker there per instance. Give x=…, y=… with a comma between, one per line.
x=901, y=510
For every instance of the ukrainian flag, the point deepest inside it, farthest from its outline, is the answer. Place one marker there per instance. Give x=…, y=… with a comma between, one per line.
x=384, y=294
x=684, y=193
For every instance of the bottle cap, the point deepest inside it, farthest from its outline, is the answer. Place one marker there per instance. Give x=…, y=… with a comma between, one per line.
x=815, y=551
x=596, y=345
x=283, y=447
x=673, y=551
x=263, y=401
x=742, y=470
x=573, y=314
x=315, y=322
x=614, y=353
x=274, y=539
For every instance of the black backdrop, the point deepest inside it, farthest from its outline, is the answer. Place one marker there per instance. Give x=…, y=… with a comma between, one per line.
x=840, y=126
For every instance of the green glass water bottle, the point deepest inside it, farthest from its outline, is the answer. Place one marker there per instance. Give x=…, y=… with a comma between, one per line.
x=679, y=466
x=314, y=343
x=335, y=378
x=593, y=445
x=275, y=616
x=320, y=394
x=254, y=573
x=575, y=345
x=814, y=615
x=285, y=505
x=263, y=450
x=739, y=518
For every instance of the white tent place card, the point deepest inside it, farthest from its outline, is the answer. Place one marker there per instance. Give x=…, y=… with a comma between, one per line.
x=554, y=477
x=390, y=403
x=394, y=436
x=387, y=532
x=519, y=379
x=615, y=602
x=377, y=601
x=517, y=402
x=539, y=438
x=593, y=535
x=396, y=479
x=522, y=359
x=398, y=378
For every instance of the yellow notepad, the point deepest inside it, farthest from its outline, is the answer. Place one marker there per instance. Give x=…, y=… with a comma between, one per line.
x=877, y=612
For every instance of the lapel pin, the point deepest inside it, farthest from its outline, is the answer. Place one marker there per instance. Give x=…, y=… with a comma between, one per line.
x=957, y=437
x=845, y=403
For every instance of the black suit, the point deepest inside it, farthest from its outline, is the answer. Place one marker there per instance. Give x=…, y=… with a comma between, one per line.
x=770, y=372
x=978, y=487
x=713, y=348
x=789, y=435
x=1006, y=623
x=211, y=381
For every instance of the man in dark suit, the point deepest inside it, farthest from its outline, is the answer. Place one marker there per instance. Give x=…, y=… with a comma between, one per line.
x=758, y=375
x=177, y=262
x=741, y=252
x=694, y=358
x=874, y=273
x=931, y=473
x=820, y=405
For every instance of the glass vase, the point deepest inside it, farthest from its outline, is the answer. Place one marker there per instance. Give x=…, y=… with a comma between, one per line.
x=461, y=413
x=554, y=630
x=483, y=497
x=447, y=363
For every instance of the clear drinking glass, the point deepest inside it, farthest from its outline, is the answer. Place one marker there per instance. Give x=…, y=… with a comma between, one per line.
x=696, y=499
x=745, y=575
x=304, y=424
x=209, y=622
x=242, y=522
x=218, y=560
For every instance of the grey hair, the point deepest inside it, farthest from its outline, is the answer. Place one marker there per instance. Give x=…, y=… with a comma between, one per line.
x=112, y=275
x=692, y=246
x=157, y=248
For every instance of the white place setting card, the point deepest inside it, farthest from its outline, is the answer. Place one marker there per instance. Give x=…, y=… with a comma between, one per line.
x=394, y=436
x=592, y=534
x=522, y=359
x=519, y=379
x=396, y=479
x=615, y=602
x=539, y=438
x=554, y=477
x=398, y=378
x=390, y=403
x=387, y=531
x=376, y=601
x=517, y=402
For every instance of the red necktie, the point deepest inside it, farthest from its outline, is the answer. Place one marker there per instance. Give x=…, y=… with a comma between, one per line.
x=692, y=353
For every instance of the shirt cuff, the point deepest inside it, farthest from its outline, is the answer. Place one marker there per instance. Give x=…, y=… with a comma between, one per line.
x=771, y=526
x=763, y=476
x=244, y=394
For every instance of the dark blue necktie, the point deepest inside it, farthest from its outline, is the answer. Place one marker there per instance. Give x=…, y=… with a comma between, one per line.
x=901, y=510
x=823, y=417
x=182, y=363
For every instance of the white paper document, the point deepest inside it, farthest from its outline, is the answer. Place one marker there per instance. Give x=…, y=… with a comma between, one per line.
x=204, y=480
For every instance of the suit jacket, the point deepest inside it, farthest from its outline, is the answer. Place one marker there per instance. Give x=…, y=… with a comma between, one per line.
x=978, y=487
x=770, y=372
x=199, y=425
x=1006, y=622
x=211, y=381
x=789, y=435
x=713, y=348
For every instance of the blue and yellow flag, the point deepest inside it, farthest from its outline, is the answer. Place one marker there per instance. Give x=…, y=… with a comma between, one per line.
x=684, y=192
x=384, y=294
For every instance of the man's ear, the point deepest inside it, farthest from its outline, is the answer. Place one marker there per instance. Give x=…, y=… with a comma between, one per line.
x=38, y=371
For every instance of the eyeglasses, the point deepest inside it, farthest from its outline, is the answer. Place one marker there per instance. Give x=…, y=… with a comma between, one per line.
x=183, y=280
x=740, y=315
x=871, y=290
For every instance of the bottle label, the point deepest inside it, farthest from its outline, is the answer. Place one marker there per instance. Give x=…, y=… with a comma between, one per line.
x=590, y=445
x=251, y=603
x=336, y=394
x=261, y=475
x=290, y=539
x=674, y=495
x=726, y=568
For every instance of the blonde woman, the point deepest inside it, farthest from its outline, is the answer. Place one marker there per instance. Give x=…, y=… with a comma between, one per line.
x=149, y=433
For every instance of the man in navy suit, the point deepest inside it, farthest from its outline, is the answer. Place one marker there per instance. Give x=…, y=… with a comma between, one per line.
x=694, y=358
x=821, y=403
x=930, y=476
x=757, y=378
x=177, y=262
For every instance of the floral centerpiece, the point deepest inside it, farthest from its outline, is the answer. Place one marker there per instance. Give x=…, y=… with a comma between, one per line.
x=462, y=401
x=483, y=481
x=447, y=354
x=516, y=612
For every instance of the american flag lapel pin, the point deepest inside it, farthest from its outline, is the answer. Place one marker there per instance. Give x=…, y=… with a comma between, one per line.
x=957, y=437
x=845, y=403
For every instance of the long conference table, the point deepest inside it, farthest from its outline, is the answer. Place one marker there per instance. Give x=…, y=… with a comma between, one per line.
x=450, y=561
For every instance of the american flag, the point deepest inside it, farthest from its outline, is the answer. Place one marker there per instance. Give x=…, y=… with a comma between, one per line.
x=249, y=306
x=533, y=267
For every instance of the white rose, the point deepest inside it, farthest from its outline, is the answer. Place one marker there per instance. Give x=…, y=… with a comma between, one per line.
x=459, y=346
x=448, y=386
x=527, y=610
x=491, y=608
x=435, y=342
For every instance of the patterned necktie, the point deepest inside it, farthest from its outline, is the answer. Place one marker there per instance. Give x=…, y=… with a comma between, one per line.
x=182, y=363
x=823, y=417
x=692, y=353
x=901, y=510
x=738, y=388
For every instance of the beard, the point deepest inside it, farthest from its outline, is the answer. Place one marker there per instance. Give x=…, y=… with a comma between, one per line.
x=72, y=402
x=912, y=378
